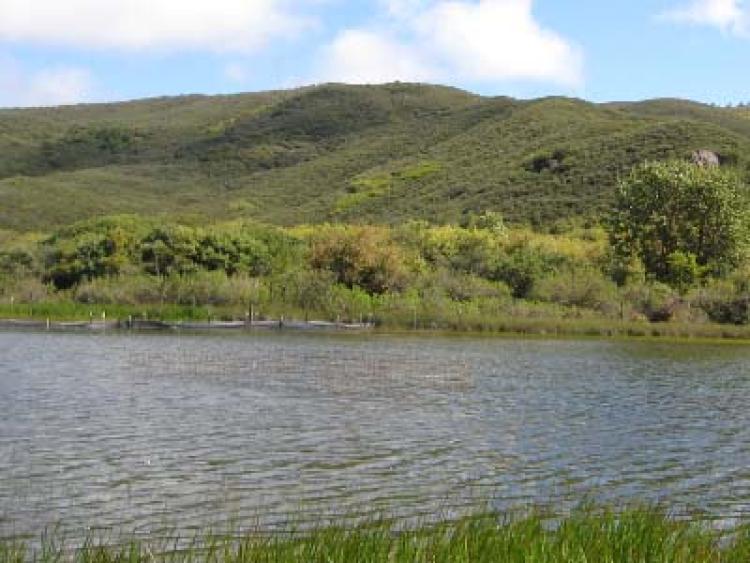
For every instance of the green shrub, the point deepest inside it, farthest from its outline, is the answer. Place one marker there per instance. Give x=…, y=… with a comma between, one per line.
x=655, y=301
x=363, y=257
x=586, y=288
x=724, y=302
x=522, y=268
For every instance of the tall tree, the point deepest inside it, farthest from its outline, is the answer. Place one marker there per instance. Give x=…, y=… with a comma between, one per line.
x=674, y=215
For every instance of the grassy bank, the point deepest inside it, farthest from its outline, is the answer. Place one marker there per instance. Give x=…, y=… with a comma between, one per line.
x=587, y=535
x=396, y=321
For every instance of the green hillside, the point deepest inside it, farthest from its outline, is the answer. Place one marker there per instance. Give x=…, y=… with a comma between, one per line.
x=342, y=153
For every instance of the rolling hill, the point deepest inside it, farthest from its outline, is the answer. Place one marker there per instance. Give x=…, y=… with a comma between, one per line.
x=343, y=153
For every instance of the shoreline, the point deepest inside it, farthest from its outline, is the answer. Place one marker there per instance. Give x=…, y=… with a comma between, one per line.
x=548, y=329
x=140, y=325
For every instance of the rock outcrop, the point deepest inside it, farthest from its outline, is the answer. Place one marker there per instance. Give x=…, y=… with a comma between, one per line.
x=706, y=158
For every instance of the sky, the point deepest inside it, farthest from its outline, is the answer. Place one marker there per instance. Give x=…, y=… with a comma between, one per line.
x=71, y=51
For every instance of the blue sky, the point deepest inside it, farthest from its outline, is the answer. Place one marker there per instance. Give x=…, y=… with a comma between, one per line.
x=69, y=51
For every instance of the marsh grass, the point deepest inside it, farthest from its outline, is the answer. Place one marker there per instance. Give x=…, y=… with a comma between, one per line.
x=394, y=320
x=586, y=535
x=65, y=310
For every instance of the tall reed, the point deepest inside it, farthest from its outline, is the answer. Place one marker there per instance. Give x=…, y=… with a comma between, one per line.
x=586, y=535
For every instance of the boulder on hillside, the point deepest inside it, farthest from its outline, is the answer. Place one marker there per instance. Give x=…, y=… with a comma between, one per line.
x=706, y=158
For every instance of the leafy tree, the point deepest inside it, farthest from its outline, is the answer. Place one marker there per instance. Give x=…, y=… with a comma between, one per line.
x=89, y=254
x=684, y=270
x=680, y=219
x=171, y=250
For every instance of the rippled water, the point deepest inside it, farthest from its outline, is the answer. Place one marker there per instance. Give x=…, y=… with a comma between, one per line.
x=147, y=433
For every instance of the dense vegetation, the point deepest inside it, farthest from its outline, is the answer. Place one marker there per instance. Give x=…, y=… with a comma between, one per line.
x=408, y=205
x=480, y=275
x=380, y=154
x=584, y=536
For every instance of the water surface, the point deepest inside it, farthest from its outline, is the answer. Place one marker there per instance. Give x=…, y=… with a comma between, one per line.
x=155, y=432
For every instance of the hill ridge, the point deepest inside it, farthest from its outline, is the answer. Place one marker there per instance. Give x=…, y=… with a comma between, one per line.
x=337, y=152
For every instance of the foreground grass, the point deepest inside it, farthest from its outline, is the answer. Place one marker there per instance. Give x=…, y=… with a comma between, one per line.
x=634, y=535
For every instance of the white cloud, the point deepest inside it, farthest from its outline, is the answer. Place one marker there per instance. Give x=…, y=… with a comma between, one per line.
x=728, y=15
x=45, y=87
x=403, y=8
x=498, y=40
x=487, y=41
x=216, y=25
x=365, y=57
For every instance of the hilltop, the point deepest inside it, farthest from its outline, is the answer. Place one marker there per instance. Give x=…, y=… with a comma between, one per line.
x=343, y=153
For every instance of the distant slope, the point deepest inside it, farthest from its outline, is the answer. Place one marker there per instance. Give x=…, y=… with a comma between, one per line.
x=334, y=152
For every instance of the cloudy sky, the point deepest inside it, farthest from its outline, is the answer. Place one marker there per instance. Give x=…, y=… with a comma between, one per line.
x=69, y=51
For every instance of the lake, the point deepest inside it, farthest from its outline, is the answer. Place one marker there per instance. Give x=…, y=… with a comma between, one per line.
x=152, y=433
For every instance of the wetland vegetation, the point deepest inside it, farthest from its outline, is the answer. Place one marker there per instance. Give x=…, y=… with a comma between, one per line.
x=585, y=535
